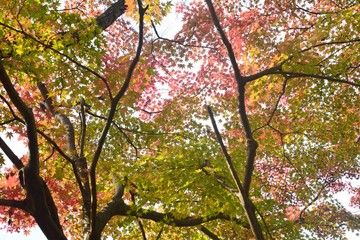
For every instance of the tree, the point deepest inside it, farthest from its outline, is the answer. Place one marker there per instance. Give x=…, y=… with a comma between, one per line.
x=244, y=125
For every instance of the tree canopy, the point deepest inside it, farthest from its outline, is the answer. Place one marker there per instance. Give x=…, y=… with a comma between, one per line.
x=244, y=124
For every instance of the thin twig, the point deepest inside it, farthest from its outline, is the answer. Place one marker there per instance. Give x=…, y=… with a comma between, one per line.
x=159, y=234
x=138, y=219
x=275, y=107
x=49, y=46
x=330, y=79
x=128, y=139
x=177, y=41
x=83, y=126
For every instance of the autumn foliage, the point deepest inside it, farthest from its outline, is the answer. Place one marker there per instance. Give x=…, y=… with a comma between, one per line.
x=243, y=124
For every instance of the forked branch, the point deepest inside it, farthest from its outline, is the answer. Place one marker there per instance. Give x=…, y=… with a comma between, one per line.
x=242, y=195
x=37, y=193
x=240, y=81
x=229, y=161
x=28, y=116
x=112, y=112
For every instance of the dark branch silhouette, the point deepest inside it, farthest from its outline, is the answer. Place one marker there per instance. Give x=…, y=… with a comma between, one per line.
x=112, y=112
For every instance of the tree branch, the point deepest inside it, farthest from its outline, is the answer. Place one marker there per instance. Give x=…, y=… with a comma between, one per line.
x=224, y=150
x=159, y=234
x=275, y=107
x=27, y=114
x=330, y=43
x=273, y=70
x=242, y=195
x=221, y=181
x=49, y=46
x=305, y=75
x=60, y=118
x=37, y=191
x=312, y=201
x=22, y=204
x=9, y=106
x=78, y=163
x=108, y=17
x=128, y=139
x=117, y=207
x=176, y=41
x=16, y=118
x=278, y=101
x=142, y=229
x=311, y=12
x=111, y=115
x=11, y=155
x=58, y=149
x=251, y=143
x=83, y=126
x=45, y=212
x=209, y=233
x=225, y=40
x=169, y=218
